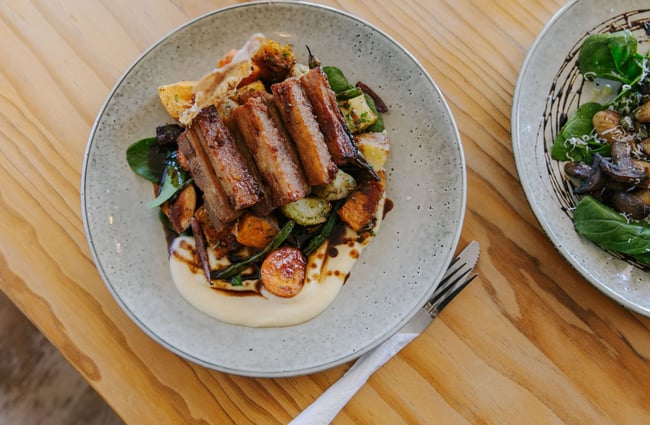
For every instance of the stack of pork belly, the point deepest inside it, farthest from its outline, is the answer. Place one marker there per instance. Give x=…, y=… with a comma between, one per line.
x=269, y=150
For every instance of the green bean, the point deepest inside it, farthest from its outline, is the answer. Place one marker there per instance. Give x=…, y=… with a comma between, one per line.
x=324, y=232
x=237, y=268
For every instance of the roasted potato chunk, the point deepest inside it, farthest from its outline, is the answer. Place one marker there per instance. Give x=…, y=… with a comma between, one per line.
x=608, y=125
x=256, y=88
x=643, y=112
x=283, y=272
x=358, y=115
x=374, y=147
x=177, y=97
x=358, y=211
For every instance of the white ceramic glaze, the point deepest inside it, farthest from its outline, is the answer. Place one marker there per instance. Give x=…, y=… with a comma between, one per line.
x=397, y=272
x=540, y=98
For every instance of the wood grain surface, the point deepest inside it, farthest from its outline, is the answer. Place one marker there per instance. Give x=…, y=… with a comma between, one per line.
x=37, y=385
x=530, y=341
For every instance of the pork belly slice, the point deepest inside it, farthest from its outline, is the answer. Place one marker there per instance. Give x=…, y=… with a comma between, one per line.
x=269, y=144
x=332, y=124
x=299, y=120
x=265, y=204
x=215, y=199
x=230, y=168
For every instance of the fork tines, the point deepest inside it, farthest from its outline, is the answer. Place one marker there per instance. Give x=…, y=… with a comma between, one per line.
x=453, y=282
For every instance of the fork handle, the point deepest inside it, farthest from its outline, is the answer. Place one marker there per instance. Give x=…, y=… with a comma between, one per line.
x=323, y=410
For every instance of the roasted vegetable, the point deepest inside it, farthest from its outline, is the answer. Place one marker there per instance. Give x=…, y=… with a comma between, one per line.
x=326, y=229
x=374, y=147
x=274, y=60
x=358, y=212
x=307, y=211
x=341, y=187
x=283, y=272
x=607, y=124
x=256, y=232
x=237, y=268
x=643, y=112
x=357, y=113
x=177, y=97
x=345, y=90
x=166, y=135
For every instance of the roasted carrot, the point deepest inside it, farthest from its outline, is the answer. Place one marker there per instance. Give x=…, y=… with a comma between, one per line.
x=255, y=74
x=359, y=210
x=283, y=272
x=255, y=231
x=236, y=268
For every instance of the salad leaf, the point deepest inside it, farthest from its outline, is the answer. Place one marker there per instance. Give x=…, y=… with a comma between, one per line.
x=575, y=141
x=611, y=230
x=173, y=180
x=167, y=190
x=337, y=80
x=612, y=56
x=143, y=156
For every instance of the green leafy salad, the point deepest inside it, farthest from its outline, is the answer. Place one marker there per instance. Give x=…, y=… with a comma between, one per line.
x=606, y=146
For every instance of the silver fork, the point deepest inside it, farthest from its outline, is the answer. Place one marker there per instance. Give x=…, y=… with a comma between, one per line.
x=329, y=404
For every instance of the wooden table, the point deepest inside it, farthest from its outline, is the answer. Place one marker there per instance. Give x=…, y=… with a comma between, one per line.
x=530, y=341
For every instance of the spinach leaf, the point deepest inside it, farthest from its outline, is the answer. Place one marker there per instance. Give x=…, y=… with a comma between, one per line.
x=575, y=141
x=610, y=229
x=337, y=80
x=146, y=159
x=612, y=56
x=174, y=179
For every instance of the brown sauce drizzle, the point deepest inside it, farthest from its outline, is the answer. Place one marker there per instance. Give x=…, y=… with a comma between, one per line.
x=241, y=294
x=338, y=237
x=388, y=207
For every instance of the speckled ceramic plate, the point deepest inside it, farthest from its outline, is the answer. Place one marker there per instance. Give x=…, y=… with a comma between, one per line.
x=396, y=273
x=548, y=86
